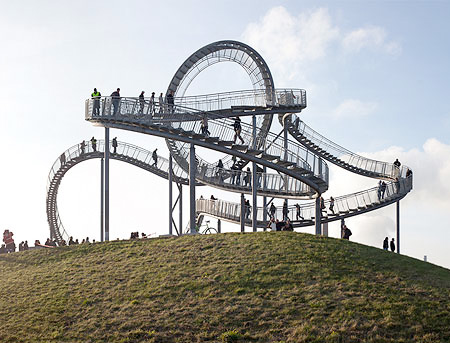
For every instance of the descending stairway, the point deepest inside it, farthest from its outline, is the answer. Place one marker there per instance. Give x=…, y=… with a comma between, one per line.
x=294, y=162
x=338, y=155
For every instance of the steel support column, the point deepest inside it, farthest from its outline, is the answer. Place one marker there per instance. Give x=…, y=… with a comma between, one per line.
x=102, y=192
x=242, y=213
x=106, y=183
x=180, y=207
x=254, y=181
x=318, y=216
x=264, y=197
x=219, y=226
x=170, y=195
x=398, y=227
x=192, y=170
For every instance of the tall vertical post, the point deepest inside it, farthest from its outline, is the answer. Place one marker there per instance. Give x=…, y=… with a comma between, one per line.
x=285, y=136
x=398, y=227
x=170, y=195
x=264, y=197
x=254, y=182
x=180, y=208
x=219, y=226
x=318, y=216
x=106, y=183
x=192, y=170
x=102, y=209
x=242, y=213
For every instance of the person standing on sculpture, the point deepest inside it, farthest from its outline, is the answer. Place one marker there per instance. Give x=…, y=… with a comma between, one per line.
x=141, y=102
x=94, y=144
x=237, y=130
x=82, y=147
x=96, y=105
x=116, y=100
x=155, y=158
x=170, y=102
x=114, y=144
x=161, y=103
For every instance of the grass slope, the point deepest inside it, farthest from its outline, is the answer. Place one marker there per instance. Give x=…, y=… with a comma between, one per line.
x=262, y=287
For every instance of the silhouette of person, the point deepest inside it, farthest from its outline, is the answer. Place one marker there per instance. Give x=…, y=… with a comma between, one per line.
x=94, y=144
x=96, y=105
x=392, y=245
x=155, y=158
x=386, y=244
x=114, y=144
x=116, y=100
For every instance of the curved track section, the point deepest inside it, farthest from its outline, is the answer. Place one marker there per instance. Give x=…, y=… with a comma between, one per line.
x=125, y=152
x=304, y=174
x=344, y=206
x=224, y=51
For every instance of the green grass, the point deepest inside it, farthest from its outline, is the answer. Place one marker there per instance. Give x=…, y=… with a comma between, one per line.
x=262, y=287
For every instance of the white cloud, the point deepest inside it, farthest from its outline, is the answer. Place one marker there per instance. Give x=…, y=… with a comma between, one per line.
x=430, y=194
x=372, y=37
x=292, y=41
x=352, y=108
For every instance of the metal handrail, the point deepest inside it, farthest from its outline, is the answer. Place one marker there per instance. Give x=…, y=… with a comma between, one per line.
x=378, y=168
x=74, y=153
x=350, y=204
x=219, y=126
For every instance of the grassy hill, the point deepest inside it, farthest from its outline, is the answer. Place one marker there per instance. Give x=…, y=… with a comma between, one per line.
x=263, y=287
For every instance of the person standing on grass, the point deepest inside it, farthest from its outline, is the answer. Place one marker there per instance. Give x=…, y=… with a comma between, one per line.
x=347, y=233
x=386, y=244
x=392, y=245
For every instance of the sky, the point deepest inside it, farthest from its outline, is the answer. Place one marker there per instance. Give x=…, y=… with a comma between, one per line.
x=375, y=72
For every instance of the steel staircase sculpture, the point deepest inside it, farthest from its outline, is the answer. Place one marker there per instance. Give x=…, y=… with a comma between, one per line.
x=304, y=173
x=344, y=206
x=299, y=165
x=338, y=155
x=125, y=152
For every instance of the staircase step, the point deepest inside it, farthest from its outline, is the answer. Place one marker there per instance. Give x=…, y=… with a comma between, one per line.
x=225, y=143
x=269, y=157
x=254, y=152
x=239, y=146
x=212, y=139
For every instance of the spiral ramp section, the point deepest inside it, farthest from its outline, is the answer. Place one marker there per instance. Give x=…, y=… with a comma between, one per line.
x=125, y=152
